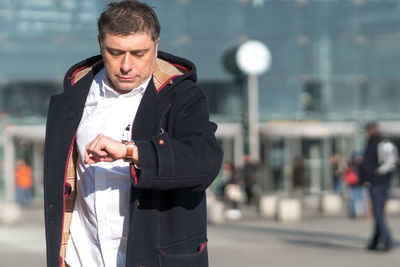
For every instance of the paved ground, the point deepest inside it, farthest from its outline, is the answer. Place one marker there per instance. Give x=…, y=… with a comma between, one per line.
x=251, y=242
x=313, y=242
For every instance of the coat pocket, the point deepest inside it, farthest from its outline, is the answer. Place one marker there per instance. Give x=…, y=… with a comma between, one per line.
x=187, y=254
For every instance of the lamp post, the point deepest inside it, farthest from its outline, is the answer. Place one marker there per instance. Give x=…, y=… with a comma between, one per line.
x=253, y=59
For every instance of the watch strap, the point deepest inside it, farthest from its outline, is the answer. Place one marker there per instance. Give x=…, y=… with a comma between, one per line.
x=129, y=150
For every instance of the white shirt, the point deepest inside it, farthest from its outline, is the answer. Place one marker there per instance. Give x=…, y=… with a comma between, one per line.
x=99, y=226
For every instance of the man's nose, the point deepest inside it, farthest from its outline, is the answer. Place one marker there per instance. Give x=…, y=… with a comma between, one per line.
x=126, y=64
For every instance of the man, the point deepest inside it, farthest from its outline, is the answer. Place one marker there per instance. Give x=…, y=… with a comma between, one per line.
x=380, y=160
x=129, y=153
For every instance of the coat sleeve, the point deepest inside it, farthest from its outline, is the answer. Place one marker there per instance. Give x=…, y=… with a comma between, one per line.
x=188, y=155
x=387, y=158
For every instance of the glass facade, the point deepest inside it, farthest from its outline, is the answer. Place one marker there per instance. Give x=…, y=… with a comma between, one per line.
x=340, y=57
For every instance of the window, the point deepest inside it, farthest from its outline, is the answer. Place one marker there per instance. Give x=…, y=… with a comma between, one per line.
x=21, y=99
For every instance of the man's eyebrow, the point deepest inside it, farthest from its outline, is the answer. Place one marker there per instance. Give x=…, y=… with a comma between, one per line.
x=123, y=51
x=140, y=50
x=114, y=49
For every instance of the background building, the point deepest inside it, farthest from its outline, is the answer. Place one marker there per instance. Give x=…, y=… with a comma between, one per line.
x=334, y=67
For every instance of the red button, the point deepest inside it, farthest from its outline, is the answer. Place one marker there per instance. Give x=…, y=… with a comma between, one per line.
x=161, y=142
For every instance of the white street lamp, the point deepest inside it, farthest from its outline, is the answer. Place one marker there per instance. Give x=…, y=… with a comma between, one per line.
x=253, y=58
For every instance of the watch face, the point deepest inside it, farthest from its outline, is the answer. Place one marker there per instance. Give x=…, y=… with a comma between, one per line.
x=253, y=58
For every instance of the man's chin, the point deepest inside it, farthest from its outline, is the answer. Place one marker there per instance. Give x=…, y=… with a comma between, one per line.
x=125, y=87
x=124, y=90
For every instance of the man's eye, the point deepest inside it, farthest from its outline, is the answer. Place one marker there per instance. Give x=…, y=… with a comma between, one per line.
x=115, y=53
x=139, y=54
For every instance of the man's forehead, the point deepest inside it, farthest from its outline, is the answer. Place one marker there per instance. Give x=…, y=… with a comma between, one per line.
x=142, y=34
x=132, y=42
x=129, y=42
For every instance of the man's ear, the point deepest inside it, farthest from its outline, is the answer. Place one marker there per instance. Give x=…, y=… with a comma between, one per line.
x=157, y=43
x=99, y=40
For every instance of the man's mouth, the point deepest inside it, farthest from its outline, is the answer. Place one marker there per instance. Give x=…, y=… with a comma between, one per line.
x=126, y=79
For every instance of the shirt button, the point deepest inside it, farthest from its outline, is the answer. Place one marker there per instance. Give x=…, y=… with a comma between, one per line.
x=161, y=142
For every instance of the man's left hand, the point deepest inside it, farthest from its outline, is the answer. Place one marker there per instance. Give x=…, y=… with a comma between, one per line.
x=104, y=149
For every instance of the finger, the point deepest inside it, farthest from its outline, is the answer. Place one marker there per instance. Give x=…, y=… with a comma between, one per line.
x=95, y=159
x=90, y=160
x=87, y=154
x=100, y=159
x=93, y=144
x=99, y=151
x=90, y=148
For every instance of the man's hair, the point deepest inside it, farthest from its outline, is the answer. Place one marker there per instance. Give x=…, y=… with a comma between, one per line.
x=127, y=17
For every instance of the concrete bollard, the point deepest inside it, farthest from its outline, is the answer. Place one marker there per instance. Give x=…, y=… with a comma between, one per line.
x=215, y=212
x=392, y=206
x=312, y=203
x=233, y=214
x=289, y=210
x=10, y=212
x=332, y=204
x=269, y=206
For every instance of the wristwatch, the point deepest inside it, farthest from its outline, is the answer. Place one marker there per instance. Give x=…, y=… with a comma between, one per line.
x=129, y=150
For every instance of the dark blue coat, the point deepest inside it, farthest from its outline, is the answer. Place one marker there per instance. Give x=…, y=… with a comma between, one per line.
x=179, y=154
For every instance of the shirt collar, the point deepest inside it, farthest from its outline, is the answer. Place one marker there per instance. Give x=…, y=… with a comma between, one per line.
x=108, y=91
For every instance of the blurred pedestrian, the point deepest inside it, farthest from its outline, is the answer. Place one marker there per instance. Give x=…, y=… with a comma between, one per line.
x=337, y=167
x=298, y=177
x=226, y=175
x=250, y=175
x=130, y=151
x=234, y=195
x=23, y=181
x=380, y=159
x=358, y=201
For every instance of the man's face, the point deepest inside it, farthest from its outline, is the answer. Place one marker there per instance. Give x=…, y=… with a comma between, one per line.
x=128, y=60
x=369, y=133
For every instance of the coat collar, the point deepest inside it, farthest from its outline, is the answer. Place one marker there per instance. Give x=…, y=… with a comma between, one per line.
x=163, y=73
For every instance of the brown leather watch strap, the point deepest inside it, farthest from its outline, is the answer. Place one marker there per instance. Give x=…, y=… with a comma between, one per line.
x=129, y=150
